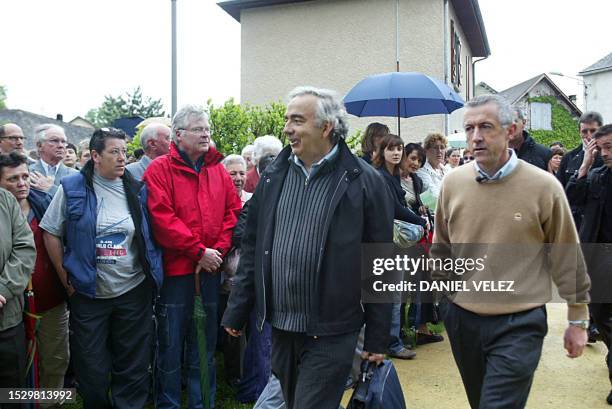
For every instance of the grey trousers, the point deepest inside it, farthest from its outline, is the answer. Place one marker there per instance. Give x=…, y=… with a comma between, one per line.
x=312, y=371
x=496, y=355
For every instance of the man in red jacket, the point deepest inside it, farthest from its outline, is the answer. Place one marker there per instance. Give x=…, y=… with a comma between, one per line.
x=194, y=207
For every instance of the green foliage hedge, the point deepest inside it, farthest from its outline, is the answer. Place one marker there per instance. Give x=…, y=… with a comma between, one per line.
x=564, y=126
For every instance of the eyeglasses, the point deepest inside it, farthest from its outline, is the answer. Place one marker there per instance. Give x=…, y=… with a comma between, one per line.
x=588, y=131
x=440, y=148
x=197, y=131
x=468, y=158
x=56, y=141
x=13, y=138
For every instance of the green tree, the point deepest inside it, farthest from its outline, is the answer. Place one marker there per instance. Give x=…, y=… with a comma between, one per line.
x=130, y=104
x=2, y=97
x=234, y=126
x=564, y=126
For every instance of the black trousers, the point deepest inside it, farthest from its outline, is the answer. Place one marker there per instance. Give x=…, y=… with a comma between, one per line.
x=12, y=360
x=111, y=343
x=602, y=315
x=496, y=355
x=312, y=371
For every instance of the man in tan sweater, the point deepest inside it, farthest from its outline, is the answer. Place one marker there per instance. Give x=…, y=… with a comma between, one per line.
x=519, y=227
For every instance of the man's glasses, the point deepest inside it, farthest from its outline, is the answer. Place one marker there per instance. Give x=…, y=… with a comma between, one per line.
x=197, y=131
x=13, y=138
x=468, y=158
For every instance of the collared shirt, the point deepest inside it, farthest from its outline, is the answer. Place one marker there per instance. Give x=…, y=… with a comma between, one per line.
x=48, y=171
x=505, y=170
x=316, y=166
x=432, y=178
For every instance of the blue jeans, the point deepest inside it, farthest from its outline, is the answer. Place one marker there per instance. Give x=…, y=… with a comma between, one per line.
x=176, y=331
x=395, y=343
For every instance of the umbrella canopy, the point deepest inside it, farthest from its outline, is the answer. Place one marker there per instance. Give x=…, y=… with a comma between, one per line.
x=401, y=94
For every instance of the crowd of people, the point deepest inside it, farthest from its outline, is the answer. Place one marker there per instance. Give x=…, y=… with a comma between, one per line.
x=110, y=256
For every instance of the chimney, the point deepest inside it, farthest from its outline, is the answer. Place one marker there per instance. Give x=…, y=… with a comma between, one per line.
x=572, y=98
x=59, y=117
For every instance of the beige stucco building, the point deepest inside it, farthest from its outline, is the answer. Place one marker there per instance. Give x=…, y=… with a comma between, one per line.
x=335, y=43
x=598, y=87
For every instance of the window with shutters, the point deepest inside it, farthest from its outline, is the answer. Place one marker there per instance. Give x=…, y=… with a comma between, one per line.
x=541, y=116
x=455, y=43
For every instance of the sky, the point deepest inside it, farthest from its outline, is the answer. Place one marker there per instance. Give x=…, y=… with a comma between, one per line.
x=64, y=56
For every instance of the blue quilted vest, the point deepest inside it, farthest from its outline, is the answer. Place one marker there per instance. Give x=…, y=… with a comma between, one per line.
x=80, y=237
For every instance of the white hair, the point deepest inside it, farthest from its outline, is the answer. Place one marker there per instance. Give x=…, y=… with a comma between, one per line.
x=266, y=145
x=150, y=132
x=330, y=108
x=40, y=132
x=505, y=113
x=247, y=149
x=232, y=160
x=184, y=116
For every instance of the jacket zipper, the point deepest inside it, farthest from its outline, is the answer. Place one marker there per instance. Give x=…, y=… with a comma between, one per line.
x=263, y=282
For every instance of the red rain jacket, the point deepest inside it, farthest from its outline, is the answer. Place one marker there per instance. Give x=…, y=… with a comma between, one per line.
x=190, y=211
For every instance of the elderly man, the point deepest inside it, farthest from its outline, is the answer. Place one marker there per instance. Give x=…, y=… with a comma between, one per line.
x=591, y=189
x=17, y=256
x=496, y=337
x=525, y=147
x=155, y=141
x=307, y=285
x=266, y=148
x=47, y=172
x=50, y=297
x=97, y=236
x=194, y=207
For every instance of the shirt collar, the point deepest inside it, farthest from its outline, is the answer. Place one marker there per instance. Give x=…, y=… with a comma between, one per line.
x=316, y=166
x=505, y=170
x=46, y=166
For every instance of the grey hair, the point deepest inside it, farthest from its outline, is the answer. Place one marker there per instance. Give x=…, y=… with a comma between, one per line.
x=330, y=108
x=150, y=132
x=40, y=132
x=247, y=149
x=518, y=112
x=266, y=145
x=591, y=116
x=184, y=116
x=505, y=113
x=232, y=160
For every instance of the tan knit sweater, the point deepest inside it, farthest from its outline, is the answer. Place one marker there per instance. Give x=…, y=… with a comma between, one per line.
x=525, y=234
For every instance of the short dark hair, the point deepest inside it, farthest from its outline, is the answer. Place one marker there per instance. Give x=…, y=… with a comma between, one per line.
x=71, y=146
x=591, y=116
x=419, y=150
x=98, y=139
x=12, y=160
x=138, y=153
x=603, y=131
x=556, y=143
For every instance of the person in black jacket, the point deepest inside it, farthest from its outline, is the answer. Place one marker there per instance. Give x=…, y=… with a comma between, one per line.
x=314, y=207
x=591, y=189
x=389, y=156
x=525, y=146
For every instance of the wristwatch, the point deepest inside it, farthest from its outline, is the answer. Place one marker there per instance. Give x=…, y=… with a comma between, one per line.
x=584, y=324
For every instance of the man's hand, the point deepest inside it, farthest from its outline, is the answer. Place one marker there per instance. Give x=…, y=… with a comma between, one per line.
x=41, y=182
x=590, y=153
x=233, y=332
x=575, y=339
x=378, y=358
x=210, y=261
x=2, y=301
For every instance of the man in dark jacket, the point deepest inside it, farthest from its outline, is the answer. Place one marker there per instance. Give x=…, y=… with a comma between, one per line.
x=591, y=189
x=301, y=254
x=525, y=146
x=110, y=268
x=588, y=124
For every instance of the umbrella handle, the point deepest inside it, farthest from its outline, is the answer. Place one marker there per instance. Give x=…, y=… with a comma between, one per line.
x=197, y=281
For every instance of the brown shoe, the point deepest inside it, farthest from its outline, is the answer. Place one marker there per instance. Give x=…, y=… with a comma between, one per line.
x=404, y=353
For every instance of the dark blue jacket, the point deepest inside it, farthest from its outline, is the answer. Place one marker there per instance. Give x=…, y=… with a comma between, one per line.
x=80, y=246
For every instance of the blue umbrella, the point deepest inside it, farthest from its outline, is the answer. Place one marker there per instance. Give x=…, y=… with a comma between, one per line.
x=401, y=94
